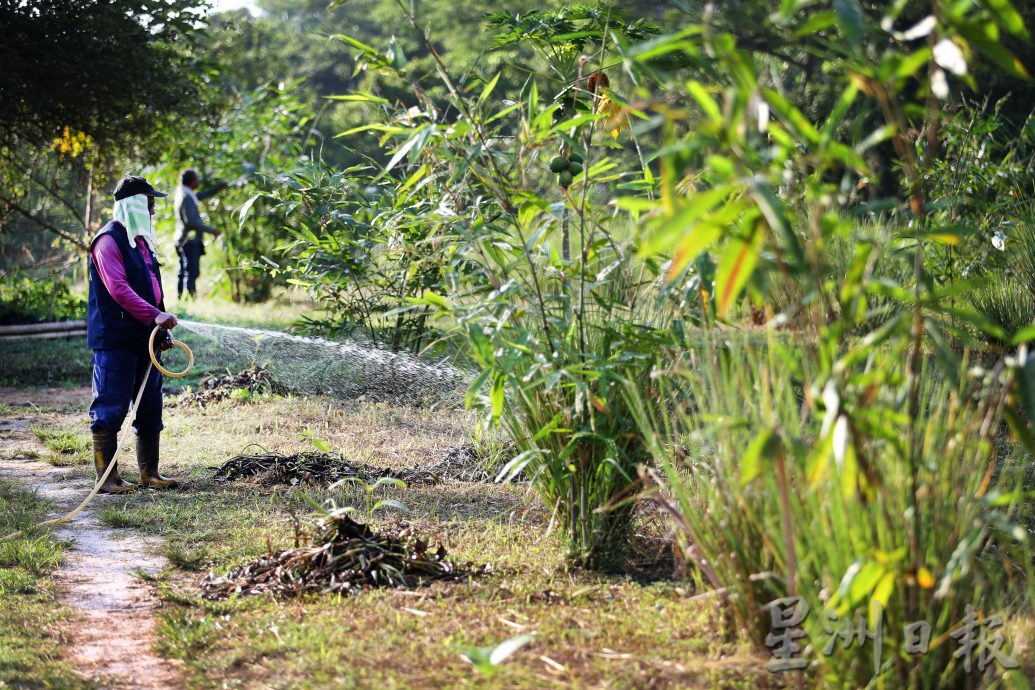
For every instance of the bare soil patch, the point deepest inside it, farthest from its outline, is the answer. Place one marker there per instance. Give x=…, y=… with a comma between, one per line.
x=45, y=398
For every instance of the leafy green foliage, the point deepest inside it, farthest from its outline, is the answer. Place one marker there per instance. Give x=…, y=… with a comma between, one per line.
x=738, y=264
x=553, y=328
x=575, y=314
x=785, y=485
x=24, y=300
x=365, y=249
x=261, y=134
x=43, y=87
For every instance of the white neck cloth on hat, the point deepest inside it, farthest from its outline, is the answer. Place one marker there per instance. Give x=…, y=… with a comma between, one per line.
x=133, y=214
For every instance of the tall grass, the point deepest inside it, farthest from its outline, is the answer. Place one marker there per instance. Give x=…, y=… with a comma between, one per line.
x=785, y=481
x=1006, y=294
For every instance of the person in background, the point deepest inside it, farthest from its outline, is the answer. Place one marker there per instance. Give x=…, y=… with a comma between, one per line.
x=190, y=229
x=125, y=304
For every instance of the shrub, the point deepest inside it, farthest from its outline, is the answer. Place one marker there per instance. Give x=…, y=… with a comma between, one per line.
x=27, y=300
x=490, y=221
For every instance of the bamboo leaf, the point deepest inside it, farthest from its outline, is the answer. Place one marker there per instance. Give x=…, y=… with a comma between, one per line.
x=994, y=51
x=246, y=207
x=792, y=116
x=356, y=43
x=415, y=143
x=489, y=86
x=765, y=446
x=681, y=223
x=506, y=649
x=704, y=99
x=360, y=97
x=390, y=503
x=1008, y=17
x=1024, y=335
x=850, y=20
x=735, y=268
x=691, y=246
x=881, y=595
x=497, y=395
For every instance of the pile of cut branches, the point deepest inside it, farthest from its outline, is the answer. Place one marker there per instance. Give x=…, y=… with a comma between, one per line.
x=346, y=557
x=217, y=388
x=312, y=467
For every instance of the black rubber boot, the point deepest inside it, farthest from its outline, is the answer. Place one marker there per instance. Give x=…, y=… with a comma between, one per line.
x=147, y=460
x=105, y=443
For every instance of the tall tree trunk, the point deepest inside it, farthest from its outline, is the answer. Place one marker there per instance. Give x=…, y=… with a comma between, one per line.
x=87, y=225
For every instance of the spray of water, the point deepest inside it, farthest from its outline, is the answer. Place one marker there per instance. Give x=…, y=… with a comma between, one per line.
x=317, y=366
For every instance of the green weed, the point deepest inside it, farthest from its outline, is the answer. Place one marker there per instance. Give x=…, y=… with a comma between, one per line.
x=37, y=554
x=186, y=556
x=72, y=447
x=30, y=642
x=491, y=447
x=17, y=581
x=29, y=364
x=183, y=634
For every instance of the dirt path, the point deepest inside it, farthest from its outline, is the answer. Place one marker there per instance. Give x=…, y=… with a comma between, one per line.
x=112, y=641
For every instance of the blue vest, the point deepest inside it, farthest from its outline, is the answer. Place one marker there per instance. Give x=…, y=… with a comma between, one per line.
x=109, y=326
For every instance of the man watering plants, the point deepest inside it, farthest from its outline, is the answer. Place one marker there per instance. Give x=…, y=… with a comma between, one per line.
x=125, y=304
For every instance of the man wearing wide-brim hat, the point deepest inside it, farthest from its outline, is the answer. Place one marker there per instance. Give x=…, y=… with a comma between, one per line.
x=125, y=304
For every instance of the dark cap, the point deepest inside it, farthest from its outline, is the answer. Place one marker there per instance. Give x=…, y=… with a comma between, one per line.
x=132, y=185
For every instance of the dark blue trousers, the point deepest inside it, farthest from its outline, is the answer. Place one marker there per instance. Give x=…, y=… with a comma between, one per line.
x=117, y=375
x=190, y=266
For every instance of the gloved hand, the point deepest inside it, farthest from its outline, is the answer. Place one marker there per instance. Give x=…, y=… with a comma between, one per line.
x=164, y=341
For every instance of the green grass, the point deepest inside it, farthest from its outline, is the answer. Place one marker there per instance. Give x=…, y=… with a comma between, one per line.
x=279, y=313
x=29, y=364
x=596, y=629
x=71, y=447
x=30, y=618
x=12, y=410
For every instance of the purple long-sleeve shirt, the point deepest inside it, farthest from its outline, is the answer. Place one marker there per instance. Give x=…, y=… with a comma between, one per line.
x=108, y=260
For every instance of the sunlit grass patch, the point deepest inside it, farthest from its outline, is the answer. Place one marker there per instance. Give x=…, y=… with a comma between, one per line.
x=183, y=633
x=279, y=313
x=597, y=629
x=38, y=554
x=71, y=447
x=17, y=581
x=30, y=655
